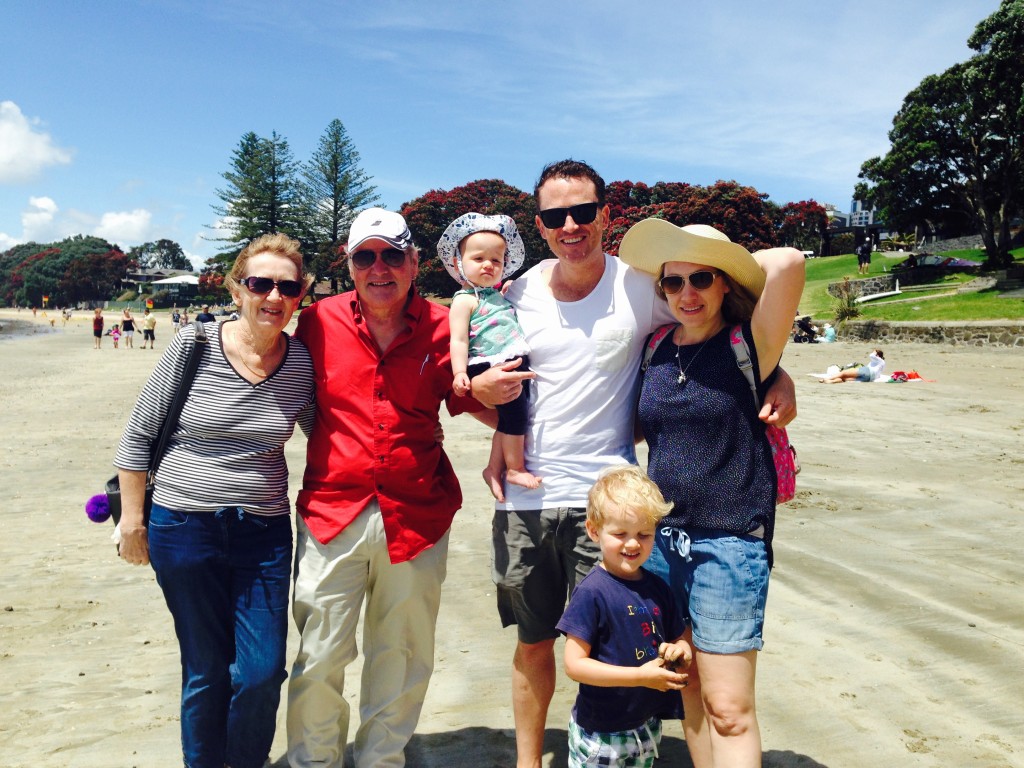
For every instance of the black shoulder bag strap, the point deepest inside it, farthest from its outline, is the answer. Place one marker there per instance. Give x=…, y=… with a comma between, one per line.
x=174, y=412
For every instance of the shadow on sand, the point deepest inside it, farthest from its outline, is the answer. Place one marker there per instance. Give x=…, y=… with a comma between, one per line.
x=492, y=748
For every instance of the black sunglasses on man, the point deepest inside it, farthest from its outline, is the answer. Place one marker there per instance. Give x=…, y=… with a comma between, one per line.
x=584, y=213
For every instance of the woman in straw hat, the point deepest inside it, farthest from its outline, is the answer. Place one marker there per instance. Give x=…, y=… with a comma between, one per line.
x=711, y=459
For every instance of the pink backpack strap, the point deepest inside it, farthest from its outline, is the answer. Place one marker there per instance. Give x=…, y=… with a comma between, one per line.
x=742, y=353
x=653, y=342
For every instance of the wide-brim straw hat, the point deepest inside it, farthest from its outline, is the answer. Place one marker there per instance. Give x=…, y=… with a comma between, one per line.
x=653, y=242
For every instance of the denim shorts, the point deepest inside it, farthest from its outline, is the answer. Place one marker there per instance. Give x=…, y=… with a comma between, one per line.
x=722, y=586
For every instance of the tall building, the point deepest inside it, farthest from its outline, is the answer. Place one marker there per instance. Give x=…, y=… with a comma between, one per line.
x=860, y=216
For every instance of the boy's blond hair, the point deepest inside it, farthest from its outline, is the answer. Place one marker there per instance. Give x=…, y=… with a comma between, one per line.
x=629, y=488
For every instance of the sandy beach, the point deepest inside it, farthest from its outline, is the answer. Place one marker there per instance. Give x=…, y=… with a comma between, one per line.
x=895, y=630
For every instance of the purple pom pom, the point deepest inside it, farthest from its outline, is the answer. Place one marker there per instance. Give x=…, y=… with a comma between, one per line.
x=97, y=508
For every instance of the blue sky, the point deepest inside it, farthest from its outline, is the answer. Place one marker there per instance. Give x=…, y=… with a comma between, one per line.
x=118, y=118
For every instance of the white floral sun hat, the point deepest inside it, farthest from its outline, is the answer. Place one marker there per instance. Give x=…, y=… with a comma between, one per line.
x=467, y=224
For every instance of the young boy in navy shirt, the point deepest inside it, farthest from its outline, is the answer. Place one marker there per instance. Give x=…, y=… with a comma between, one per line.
x=623, y=633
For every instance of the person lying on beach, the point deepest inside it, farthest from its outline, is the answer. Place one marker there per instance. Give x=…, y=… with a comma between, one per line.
x=870, y=372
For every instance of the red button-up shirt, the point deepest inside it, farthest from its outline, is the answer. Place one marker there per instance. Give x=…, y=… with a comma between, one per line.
x=375, y=420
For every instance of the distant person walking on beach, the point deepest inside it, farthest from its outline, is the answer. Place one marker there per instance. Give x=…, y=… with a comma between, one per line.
x=128, y=327
x=220, y=532
x=148, y=329
x=115, y=334
x=175, y=318
x=97, y=328
x=206, y=316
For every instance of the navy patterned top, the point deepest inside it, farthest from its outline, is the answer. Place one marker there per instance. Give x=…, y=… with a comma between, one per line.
x=708, y=451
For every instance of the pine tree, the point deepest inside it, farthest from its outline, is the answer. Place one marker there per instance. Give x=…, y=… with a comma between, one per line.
x=334, y=189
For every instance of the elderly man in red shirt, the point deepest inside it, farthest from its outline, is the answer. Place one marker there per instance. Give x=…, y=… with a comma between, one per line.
x=376, y=504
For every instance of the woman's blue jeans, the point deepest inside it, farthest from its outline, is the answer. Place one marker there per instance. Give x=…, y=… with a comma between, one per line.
x=225, y=576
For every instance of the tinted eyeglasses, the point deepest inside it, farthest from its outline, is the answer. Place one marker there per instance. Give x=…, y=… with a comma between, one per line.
x=392, y=257
x=584, y=213
x=264, y=285
x=701, y=281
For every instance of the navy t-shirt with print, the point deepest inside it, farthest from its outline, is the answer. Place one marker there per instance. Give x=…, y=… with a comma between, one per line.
x=624, y=622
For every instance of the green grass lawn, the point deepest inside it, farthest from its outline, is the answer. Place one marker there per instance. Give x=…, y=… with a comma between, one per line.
x=987, y=305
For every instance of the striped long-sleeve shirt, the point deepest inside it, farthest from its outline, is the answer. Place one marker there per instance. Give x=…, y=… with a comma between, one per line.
x=228, y=448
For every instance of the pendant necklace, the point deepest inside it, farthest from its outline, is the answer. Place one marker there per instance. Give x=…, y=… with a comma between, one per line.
x=682, y=371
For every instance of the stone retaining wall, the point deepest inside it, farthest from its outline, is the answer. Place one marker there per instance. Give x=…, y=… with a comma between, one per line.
x=866, y=286
x=994, y=333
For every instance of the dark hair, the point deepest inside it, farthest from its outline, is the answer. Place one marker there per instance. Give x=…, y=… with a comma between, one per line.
x=569, y=169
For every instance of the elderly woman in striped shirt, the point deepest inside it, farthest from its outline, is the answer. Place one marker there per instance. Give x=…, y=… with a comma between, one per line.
x=219, y=537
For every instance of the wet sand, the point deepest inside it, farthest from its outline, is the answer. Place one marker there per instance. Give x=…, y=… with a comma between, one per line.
x=895, y=630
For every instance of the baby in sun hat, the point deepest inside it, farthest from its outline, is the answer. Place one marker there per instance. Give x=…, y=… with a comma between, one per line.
x=478, y=251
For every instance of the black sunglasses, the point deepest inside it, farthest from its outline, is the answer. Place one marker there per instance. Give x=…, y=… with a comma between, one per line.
x=584, y=213
x=264, y=285
x=701, y=281
x=393, y=257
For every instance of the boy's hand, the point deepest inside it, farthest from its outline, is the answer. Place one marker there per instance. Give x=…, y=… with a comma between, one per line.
x=677, y=655
x=654, y=674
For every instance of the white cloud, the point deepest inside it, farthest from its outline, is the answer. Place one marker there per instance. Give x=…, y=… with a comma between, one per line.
x=125, y=227
x=37, y=221
x=25, y=149
x=43, y=221
x=7, y=242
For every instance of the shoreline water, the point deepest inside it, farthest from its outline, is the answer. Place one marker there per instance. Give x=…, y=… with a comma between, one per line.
x=18, y=328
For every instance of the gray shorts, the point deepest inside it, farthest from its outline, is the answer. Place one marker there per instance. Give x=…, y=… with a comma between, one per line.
x=538, y=558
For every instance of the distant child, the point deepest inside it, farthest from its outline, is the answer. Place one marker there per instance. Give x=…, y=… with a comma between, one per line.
x=478, y=251
x=623, y=633
x=115, y=334
x=97, y=328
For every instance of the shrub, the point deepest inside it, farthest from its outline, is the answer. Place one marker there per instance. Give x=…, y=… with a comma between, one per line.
x=845, y=306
